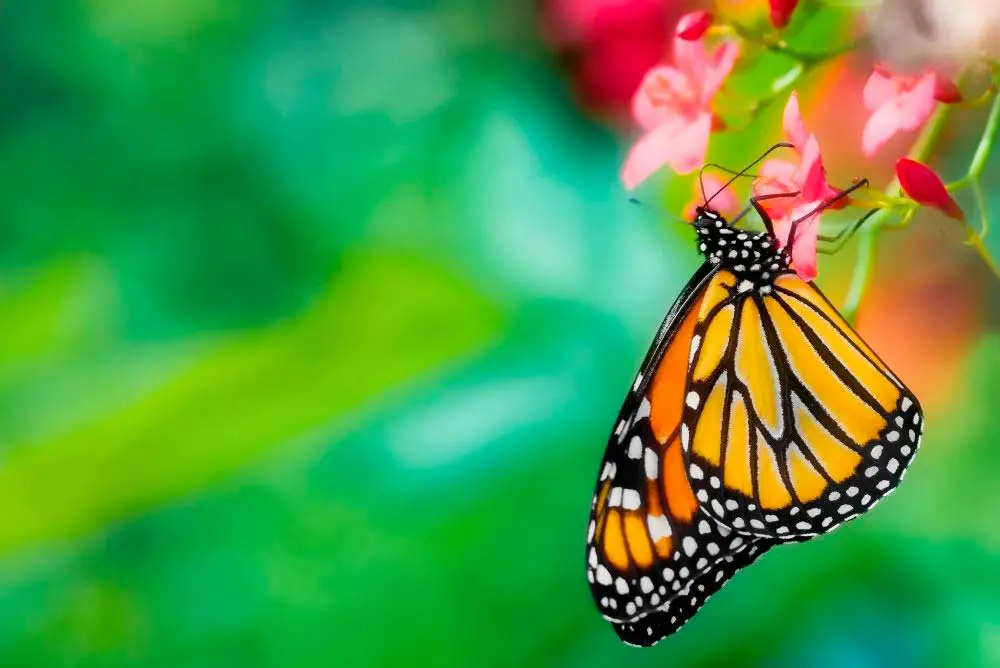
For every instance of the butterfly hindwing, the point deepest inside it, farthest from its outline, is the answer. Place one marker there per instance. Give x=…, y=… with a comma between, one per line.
x=794, y=424
x=647, y=541
x=649, y=629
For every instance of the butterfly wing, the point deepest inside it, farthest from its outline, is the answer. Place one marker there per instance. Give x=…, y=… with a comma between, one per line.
x=795, y=424
x=667, y=619
x=647, y=540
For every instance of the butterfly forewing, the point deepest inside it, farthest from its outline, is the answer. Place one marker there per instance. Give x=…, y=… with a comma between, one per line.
x=795, y=424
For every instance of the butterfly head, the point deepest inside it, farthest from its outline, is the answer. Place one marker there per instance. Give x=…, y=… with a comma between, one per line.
x=754, y=257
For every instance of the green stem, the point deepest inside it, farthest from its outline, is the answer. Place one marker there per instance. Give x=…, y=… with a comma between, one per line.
x=986, y=141
x=862, y=270
x=779, y=45
x=972, y=180
x=984, y=220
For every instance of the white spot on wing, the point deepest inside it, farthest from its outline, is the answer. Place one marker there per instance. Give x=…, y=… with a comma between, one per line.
x=659, y=527
x=635, y=448
x=695, y=342
x=652, y=464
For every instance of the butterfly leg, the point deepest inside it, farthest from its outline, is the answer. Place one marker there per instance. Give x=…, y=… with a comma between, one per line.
x=843, y=236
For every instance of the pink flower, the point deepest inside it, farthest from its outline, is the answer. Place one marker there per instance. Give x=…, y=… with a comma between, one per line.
x=781, y=12
x=925, y=187
x=901, y=104
x=719, y=197
x=692, y=27
x=807, y=189
x=672, y=105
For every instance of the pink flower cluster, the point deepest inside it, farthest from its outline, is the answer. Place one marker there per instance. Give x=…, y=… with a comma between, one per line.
x=673, y=107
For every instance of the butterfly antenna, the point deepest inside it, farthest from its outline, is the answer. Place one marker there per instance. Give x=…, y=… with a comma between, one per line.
x=746, y=169
x=730, y=171
x=701, y=183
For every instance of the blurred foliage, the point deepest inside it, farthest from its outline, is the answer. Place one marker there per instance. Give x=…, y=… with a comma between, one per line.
x=317, y=316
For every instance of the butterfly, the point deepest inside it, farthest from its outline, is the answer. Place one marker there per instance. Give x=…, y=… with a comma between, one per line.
x=758, y=417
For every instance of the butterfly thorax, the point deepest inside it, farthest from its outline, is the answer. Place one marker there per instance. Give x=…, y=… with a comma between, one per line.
x=754, y=257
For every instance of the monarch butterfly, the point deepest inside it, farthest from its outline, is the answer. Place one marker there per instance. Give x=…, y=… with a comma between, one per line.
x=757, y=417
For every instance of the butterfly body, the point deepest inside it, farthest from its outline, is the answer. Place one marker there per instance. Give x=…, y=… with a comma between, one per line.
x=758, y=417
x=753, y=258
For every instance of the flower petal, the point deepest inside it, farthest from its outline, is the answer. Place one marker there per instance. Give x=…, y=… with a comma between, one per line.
x=692, y=26
x=917, y=104
x=795, y=129
x=658, y=98
x=690, y=144
x=879, y=129
x=776, y=177
x=925, y=187
x=691, y=58
x=813, y=182
x=719, y=66
x=670, y=143
x=879, y=89
x=803, y=247
x=778, y=171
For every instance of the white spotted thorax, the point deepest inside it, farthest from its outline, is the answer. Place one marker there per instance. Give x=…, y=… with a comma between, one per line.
x=753, y=257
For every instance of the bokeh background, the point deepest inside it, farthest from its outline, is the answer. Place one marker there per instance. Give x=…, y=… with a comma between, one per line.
x=316, y=316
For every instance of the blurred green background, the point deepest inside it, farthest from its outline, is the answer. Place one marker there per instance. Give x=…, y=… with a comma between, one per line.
x=316, y=319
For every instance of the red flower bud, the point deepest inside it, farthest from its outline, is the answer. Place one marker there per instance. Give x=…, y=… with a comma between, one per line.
x=692, y=27
x=945, y=90
x=781, y=12
x=925, y=187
